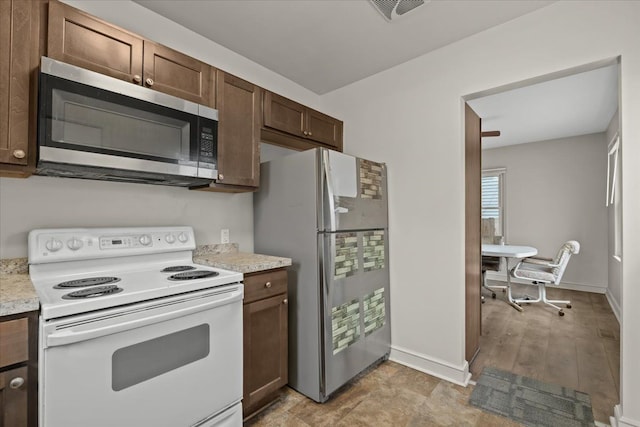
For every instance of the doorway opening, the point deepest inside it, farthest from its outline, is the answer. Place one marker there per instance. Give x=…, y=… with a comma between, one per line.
x=556, y=133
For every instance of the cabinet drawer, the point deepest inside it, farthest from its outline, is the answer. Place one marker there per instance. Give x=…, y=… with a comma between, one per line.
x=14, y=341
x=264, y=285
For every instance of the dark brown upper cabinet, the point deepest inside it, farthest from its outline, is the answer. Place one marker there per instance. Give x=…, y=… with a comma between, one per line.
x=290, y=119
x=19, y=50
x=80, y=39
x=239, y=131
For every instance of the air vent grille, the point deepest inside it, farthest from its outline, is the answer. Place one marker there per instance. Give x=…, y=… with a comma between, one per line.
x=393, y=9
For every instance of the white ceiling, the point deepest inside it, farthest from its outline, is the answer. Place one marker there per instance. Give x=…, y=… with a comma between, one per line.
x=325, y=44
x=579, y=104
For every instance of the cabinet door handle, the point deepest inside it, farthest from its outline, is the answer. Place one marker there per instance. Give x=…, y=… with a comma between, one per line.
x=220, y=177
x=16, y=383
x=305, y=132
x=309, y=133
x=149, y=82
x=19, y=154
x=267, y=285
x=285, y=301
x=137, y=78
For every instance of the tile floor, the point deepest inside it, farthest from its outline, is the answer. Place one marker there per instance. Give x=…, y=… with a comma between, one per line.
x=388, y=395
x=579, y=350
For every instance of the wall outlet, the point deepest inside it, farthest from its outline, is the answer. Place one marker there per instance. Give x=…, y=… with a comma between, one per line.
x=224, y=235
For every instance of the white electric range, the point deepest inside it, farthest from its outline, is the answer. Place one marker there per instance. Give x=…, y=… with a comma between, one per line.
x=132, y=332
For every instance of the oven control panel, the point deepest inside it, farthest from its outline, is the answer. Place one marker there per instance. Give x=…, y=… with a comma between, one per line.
x=52, y=245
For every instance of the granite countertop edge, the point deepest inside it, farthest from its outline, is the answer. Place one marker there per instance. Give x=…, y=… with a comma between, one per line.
x=242, y=262
x=17, y=294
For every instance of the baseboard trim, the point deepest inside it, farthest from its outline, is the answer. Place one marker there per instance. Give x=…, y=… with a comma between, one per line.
x=500, y=277
x=618, y=420
x=615, y=307
x=429, y=365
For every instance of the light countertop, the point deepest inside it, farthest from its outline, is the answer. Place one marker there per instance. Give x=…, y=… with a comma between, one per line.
x=17, y=294
x=242, y=262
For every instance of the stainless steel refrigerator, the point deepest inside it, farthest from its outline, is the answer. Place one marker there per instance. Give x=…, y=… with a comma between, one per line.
x=327, y=211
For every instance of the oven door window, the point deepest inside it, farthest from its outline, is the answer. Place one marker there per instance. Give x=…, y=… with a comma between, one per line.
x=84, y=118
x=140, y=362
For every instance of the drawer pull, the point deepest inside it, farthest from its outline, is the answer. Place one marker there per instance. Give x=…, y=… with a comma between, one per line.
x=267, y=285
x=16, y=383
x=149, y=82
x=19, y=154
x=137, y=78
x=285, y=301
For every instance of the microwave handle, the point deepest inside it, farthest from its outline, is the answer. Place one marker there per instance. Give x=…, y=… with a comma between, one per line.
x=69, y=336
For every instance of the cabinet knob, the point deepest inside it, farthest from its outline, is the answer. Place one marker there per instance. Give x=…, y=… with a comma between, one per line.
x=16, y=383
x=285, y=301
x=305, y=132
x=309, y=133
x=220, y=177
x=137, y=78
x=267, y=285
x=149, y=82
x=19, y=154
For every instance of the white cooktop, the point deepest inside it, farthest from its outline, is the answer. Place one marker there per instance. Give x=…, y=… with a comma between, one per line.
x=137, y=260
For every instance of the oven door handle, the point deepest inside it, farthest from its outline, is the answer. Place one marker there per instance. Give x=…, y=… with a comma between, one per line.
x=69, y=336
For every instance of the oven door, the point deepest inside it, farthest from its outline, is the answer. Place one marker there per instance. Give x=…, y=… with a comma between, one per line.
x=88, y=119
x=171, y=362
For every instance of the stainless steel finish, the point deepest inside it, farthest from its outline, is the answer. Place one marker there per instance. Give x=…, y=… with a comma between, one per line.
x=60, y=155
x=328, y=180
x=298, y=195
x=149, y=82
x=19, y=154
x=137, y=78
x=16, y=383
x=91, y=78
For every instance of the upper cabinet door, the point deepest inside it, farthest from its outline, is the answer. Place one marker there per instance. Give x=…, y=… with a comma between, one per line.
x=79, y=39
x=177, y=74
x=324, y=129
x=239, y=131
x=19, y=26
x=284, y=115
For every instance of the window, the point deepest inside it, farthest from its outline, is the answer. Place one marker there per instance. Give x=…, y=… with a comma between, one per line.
x=614, y=195
x=493, y=219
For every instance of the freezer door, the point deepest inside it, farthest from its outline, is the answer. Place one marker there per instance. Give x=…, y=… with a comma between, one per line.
x=355, y=296
x=354, y=192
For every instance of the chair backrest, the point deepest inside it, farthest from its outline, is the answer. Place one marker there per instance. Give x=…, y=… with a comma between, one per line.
x=562, y=258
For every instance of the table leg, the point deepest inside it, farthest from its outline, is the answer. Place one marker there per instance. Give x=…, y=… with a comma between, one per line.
x=509, y=297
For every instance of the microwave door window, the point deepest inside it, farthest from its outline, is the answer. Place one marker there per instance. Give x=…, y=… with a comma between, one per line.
x=101, y=126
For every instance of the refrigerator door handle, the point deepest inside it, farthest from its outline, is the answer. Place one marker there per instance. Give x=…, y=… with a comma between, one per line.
x=329, y=186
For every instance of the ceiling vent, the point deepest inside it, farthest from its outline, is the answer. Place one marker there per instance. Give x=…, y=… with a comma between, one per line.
x=394, y=9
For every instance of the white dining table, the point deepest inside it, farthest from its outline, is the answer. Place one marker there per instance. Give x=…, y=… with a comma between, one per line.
x=509, y=252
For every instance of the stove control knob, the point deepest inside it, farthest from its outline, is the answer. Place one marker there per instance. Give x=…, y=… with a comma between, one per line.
x=170, y=238
x=74, y=243
x=145, y=239
x=53, y=245
x=183, y=237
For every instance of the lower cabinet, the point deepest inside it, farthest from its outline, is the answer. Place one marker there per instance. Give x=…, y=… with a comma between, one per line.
x=265, y=338
x=18, y=370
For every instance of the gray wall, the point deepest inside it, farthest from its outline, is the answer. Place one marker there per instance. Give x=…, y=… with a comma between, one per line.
x=555, y=192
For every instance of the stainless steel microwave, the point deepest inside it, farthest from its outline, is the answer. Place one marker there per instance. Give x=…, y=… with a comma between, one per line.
x=98, y=127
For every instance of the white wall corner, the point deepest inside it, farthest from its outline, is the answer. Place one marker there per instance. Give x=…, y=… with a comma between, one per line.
x=615, y=307
x=438, y=368
x=618, y=420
